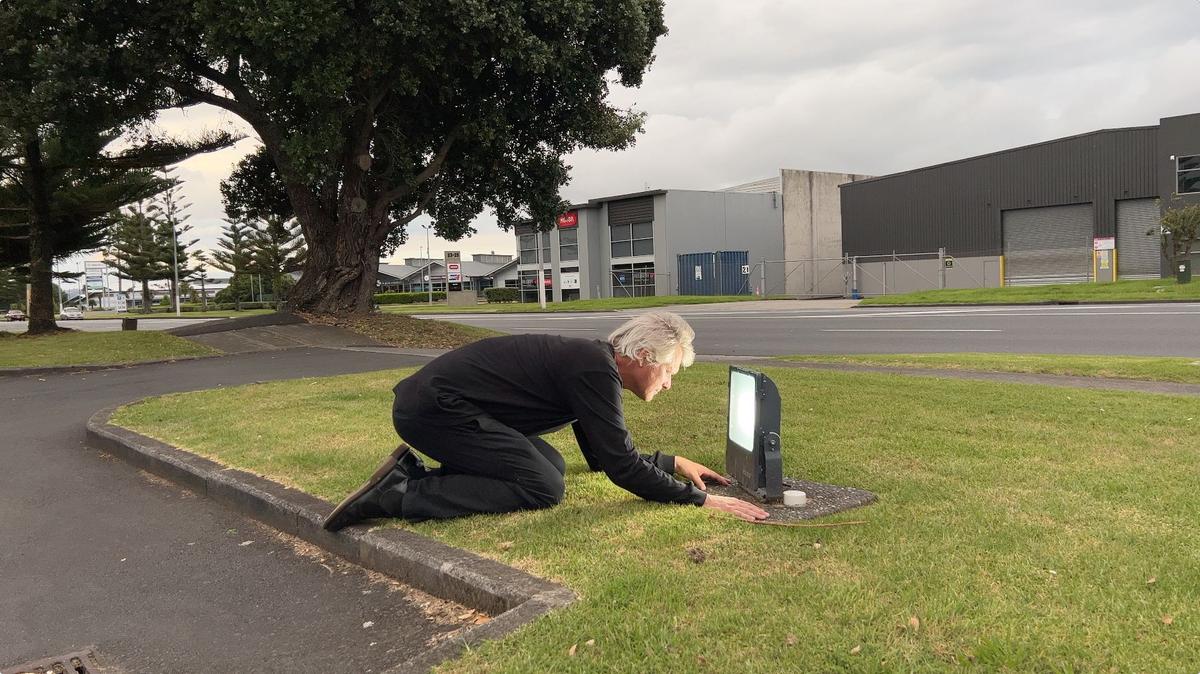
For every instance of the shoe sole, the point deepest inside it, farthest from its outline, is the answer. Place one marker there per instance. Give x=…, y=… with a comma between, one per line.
x=381, y=472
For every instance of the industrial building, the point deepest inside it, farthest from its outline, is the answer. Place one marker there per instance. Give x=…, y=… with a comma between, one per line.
x=776, y=236
x=1041, y=213
x=656, y=242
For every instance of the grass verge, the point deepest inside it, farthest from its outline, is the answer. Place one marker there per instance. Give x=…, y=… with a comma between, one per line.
x=1181, y=370
x=406, y=331
x=94, y=348
x=608, y=304
x=1121, y=291
x=1019, y=528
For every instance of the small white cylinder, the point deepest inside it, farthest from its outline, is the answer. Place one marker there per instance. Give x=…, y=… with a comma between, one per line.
x=794, y=498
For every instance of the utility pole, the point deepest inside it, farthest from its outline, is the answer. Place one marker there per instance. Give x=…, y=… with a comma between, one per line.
x=428, y=266
x=175, y=265
x=541, y=276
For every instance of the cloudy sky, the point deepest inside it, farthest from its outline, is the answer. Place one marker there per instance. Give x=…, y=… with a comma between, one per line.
x=740, y=90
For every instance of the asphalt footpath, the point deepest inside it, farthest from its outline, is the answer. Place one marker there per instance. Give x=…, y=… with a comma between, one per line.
x=95, y=553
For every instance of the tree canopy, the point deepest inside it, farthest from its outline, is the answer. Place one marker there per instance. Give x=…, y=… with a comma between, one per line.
x=372, y=113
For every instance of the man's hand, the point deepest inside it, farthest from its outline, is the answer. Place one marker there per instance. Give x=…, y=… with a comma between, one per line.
x=696, y=472
x=738, y=508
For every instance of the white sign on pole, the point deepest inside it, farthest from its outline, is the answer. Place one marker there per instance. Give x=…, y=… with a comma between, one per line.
x=1104, y=243
x=454, y=272
x=94, y=274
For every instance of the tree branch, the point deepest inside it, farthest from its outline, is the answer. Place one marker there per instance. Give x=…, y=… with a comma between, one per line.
x=430, y=171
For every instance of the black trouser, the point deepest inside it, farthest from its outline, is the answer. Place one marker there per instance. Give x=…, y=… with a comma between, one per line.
x=487, y=467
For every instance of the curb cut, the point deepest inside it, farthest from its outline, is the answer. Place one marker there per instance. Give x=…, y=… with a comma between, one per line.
x=514, y=598
x=64, y=369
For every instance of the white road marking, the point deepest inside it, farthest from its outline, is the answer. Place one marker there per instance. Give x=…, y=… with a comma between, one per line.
x=903, y=330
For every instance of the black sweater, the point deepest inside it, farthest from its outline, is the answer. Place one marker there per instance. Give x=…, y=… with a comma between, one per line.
x=538, y=383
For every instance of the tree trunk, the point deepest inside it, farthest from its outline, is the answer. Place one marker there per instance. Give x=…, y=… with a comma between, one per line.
x=341, y=266
x=41, y=244
x=145, y=296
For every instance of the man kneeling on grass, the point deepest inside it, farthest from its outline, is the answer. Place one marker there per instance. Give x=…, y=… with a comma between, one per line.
x=480, y=411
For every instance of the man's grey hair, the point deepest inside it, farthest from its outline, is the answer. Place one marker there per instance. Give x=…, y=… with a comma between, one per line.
x=655, y=337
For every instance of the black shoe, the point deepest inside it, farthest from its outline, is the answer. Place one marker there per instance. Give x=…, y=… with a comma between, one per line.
x=365, y=502
x=410, y=464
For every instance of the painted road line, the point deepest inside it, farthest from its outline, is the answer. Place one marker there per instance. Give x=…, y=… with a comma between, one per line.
x=905, y=330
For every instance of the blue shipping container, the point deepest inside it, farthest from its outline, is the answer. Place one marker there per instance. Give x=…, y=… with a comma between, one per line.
x=724, y=272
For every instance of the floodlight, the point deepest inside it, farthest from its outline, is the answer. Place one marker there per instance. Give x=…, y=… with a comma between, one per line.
x=752, y=450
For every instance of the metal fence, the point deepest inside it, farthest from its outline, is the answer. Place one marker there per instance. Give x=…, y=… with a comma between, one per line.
x=868, y=275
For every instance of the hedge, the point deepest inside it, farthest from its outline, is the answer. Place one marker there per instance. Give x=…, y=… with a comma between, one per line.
x=494, y=295
x=407, y=298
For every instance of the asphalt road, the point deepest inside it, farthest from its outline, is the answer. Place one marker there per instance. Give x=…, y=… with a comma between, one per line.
x=94, y=553
x=782, y=327
x=112, y=324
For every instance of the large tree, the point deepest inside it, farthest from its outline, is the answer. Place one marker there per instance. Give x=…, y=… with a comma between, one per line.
x=81, y=200
x=373, y=112
x=73, y=71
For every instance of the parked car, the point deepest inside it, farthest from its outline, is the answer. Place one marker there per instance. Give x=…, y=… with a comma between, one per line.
x=70, y=314
x=14, y=315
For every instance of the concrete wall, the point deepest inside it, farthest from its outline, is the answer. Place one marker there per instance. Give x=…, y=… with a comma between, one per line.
x=812, y=226
x=892, y=277
x=699, y=222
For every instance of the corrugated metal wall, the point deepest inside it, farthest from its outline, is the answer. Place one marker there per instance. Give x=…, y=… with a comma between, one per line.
x=958, y=205
x=716, y=273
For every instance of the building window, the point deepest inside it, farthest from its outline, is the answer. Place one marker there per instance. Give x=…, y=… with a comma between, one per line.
x=633, y=280
x=528, y=248
x=528, y=281
x=568, y=245
x=1187, y=173
x=630, y=240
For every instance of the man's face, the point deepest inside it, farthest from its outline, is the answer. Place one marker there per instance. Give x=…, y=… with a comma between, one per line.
x=655, y=377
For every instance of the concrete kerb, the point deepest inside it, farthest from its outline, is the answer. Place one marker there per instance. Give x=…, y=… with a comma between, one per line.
x=513, y=597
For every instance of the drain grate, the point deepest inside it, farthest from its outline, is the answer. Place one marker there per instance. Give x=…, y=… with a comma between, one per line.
x=80, y=662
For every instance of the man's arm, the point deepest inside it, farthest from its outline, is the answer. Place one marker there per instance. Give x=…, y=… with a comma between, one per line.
x=596, y=401
x=664, y=461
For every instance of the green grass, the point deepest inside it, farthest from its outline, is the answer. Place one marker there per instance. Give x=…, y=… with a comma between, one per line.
x=1182, y=370
x=1121, y=291
x=94, y=348
x=229, y=313
x=608, y=304
x=1019, y=528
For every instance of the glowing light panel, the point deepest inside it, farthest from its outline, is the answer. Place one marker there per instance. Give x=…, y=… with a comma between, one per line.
x=743, y=409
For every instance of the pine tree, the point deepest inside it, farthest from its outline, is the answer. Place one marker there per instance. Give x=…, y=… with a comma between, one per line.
x=135, y=251
x=167, y=209
x=235, y=254
x=277, y=248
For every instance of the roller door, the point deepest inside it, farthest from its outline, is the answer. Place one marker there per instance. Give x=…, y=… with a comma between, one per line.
x=1138, y=255
x=1048, y=245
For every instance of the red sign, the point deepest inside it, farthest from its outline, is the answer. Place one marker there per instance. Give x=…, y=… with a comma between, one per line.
x=568, y=220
